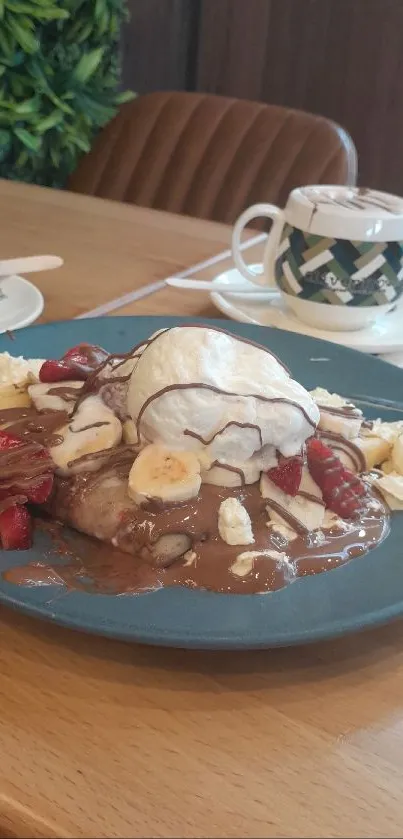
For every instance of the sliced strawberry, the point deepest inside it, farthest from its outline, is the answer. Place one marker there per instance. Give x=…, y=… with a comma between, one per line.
x=342, y=490
x=77, y=363
x=55, y=371
x=287, y=475
x=38, y=492
x=15, y=528
x=30, y=470
x=9, y=441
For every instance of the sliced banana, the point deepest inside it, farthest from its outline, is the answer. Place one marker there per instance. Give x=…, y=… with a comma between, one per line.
x=130, y=432
x=170, y=547
x=374, y=449
x=44, y=400
x=93, y=428
x=391, y=487
x=14, y=396
x=163, y=474
x=397, y=455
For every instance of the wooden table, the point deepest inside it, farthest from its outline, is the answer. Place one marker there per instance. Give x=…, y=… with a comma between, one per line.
x=99, y=738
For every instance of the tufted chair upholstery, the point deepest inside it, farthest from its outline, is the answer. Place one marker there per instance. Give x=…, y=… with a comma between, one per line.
x=210, y=157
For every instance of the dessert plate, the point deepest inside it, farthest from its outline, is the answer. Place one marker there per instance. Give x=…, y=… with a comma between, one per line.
x=21, y=303
x=384, y=336
x=365, y=592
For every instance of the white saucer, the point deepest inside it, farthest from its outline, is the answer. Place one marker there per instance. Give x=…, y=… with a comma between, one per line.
x=384, y=336
x=20, y=303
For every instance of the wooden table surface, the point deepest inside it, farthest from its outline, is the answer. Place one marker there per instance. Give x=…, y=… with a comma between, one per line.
x=99, y=738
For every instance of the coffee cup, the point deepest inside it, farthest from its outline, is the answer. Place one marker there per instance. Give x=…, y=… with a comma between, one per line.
x=335, y=253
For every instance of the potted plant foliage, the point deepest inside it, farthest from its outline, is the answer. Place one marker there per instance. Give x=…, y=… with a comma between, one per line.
x=59, y=76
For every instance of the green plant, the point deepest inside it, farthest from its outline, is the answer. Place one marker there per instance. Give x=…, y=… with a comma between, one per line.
x=59, y=73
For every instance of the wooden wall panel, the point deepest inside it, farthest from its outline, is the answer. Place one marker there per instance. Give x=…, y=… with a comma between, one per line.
x=341, y=58
x=156, y=44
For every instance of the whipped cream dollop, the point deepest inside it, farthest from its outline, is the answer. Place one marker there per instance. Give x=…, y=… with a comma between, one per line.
x=206, y=390
x=18, y=370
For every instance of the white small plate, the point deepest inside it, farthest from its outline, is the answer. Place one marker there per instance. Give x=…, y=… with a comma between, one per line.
x=20, y=303
x=384, y=336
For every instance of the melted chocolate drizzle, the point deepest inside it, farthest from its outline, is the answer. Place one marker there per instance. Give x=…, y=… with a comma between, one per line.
x=187, y=432
x=202, y=386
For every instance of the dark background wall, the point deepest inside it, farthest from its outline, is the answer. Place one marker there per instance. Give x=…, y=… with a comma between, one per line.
x=340, y=58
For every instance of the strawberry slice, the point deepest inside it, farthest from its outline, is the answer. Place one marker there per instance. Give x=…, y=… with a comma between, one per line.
x=287, y=475
x=39, y=491
x=15, y=528
x=77, y=363
x=55, y=371
x=342, y=490
x=30, y=470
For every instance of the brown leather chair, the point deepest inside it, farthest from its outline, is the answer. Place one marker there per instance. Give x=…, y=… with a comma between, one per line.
x=210, y=157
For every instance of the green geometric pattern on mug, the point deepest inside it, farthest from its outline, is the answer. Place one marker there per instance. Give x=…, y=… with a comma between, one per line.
x=339, y=271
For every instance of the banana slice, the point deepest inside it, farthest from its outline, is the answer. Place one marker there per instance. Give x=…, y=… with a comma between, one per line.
x=93, y=428
x=14, y=396
x=391, y=487
x=130, y=432
x=397, y=456
x=374, y=449
x=45, y=400
x=165, y=475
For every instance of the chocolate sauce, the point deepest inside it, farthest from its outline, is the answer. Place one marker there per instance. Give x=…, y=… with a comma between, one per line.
x=65, y=392
x=236, y=469
x=78, y=562
x=22, y=467
x=187, y=432
x=91, y=357
x=345, y=411
x=87, y=427
x=275, y=400
x=37, y=426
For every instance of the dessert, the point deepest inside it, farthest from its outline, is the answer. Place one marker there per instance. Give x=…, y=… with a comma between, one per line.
x=196, y=460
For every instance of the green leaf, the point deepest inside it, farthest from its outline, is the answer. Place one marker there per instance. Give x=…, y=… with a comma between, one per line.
x=50, y=12
x=88, y=64
x=59, y=102
x=24, y=37
x=81, y=143
x=99, y=10
x=85, y=32
x=29, y=140
x=1, y=9
x=23, y=158
x=55, y=156
x=6, y=45
x=55, y=118
x=5, y=143
x=125, y=96
x=30, y=106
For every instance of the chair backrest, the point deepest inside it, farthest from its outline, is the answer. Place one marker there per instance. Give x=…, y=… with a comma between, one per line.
x=210, y=157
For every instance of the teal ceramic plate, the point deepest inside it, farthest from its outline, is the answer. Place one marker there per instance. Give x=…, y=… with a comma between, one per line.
x=365, y=592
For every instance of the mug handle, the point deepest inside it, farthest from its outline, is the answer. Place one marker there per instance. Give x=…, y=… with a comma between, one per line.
x=278, y=218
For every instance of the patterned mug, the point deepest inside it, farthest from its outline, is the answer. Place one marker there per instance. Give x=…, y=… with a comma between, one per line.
x=336, y=254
